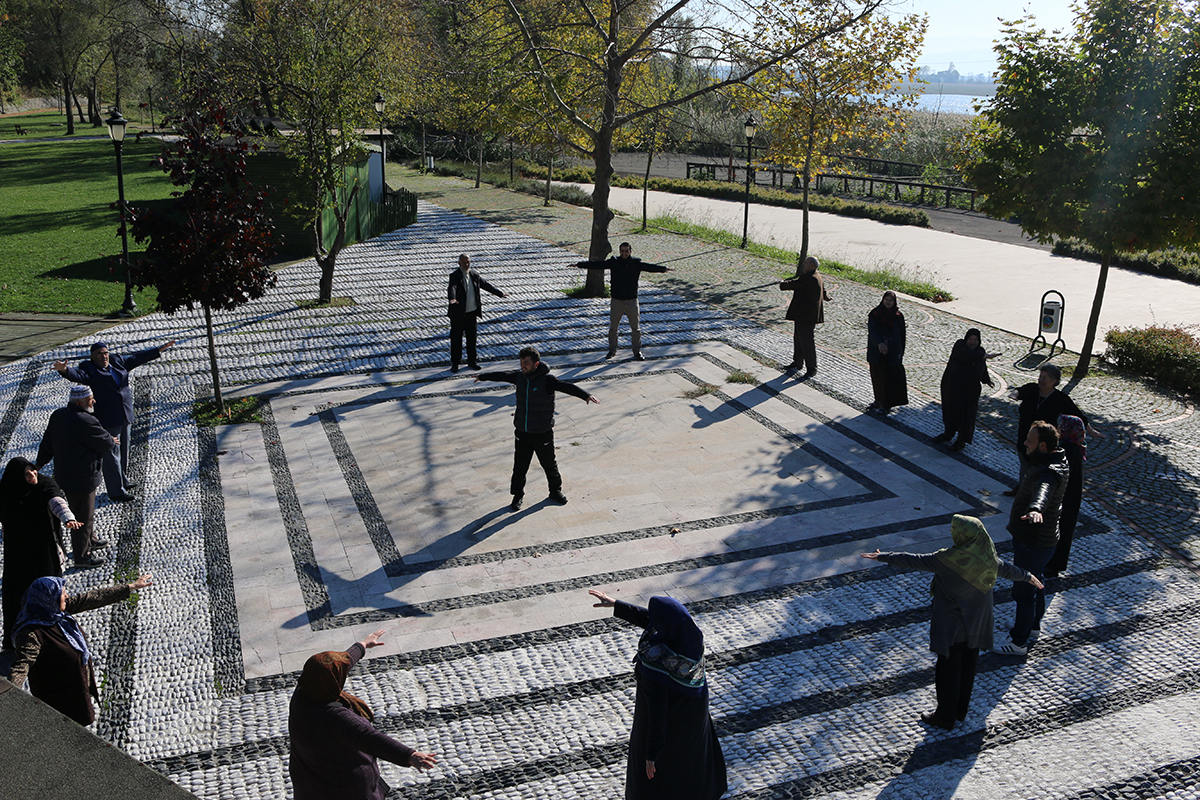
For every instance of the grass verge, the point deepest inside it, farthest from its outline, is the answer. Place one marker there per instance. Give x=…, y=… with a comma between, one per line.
x=237, y=412
x=879, y=278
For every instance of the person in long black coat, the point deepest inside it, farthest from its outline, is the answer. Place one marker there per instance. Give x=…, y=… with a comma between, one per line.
x=962, y=383
x=674, y=753
x=886, y=338
x=1072, y=439
x=30, y=504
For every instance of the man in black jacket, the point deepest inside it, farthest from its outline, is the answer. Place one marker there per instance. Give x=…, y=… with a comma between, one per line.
x=464, y=310
x=534, y=420
x=77, y=443
x=624, y=274
x=1033, y=523
x=1045, y=401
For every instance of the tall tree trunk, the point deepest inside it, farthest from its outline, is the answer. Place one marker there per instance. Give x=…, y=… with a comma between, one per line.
x=1085, y=354
x=646, y=182
x=804, y=211
x=479, y=164
x=424, y=158
x=78, y=108
x=549, y=175
x=66, y=88
x=212, y=361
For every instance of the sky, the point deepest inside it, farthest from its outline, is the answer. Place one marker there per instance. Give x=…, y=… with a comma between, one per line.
x=962, y=31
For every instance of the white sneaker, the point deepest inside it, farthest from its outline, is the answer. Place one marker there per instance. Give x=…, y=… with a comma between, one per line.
x=1010, y=648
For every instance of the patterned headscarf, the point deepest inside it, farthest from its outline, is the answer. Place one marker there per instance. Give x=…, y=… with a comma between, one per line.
x=671, y=651
x=42, y=606
x=1070, y=429
x=973, y=555
x=324, y=676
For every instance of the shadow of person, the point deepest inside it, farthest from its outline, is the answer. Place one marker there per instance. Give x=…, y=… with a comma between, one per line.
x=503, y=517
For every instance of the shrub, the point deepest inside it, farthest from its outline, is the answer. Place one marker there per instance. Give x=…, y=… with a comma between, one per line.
x=1169, y=355
x=1169, y=263
x=777, y=197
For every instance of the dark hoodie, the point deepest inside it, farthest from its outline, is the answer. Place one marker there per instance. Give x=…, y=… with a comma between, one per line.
x=535, y=396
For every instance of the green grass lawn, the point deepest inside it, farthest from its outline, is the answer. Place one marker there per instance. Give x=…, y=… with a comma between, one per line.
x=59, y=245
x=43, y=124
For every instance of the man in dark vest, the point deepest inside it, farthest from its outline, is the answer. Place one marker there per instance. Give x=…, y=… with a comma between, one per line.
x=107, y=374
x=1033, y=523
x=534, y=420
x=464, y=309
x=77, y=443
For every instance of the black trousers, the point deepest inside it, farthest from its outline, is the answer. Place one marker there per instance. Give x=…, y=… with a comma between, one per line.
x=804, y=346
x=954, y=677
x=468, y=324
x=527, y=445
x=83, y=506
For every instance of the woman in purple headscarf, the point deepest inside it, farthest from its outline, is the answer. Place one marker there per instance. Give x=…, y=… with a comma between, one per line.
x=673, y=749
x=1072, y=438
x=52, y=650
x=31, y=506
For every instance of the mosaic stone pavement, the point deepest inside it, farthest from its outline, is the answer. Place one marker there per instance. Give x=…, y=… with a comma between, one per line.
x=355, y=505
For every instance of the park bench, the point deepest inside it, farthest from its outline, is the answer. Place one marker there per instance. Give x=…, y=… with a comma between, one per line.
x=21, y=131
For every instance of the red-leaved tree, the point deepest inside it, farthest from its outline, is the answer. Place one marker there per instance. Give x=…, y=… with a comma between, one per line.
x=209, y=245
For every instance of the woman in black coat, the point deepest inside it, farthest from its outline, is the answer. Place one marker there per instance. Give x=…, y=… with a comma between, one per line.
x=1072, y=439
x=31, y=505
x=673, y=749
x=885, y=355
x=962, y=381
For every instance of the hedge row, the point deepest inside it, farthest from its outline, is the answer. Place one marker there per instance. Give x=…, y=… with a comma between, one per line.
x=775, y=197
x=1168, y=263
x=1169, y=355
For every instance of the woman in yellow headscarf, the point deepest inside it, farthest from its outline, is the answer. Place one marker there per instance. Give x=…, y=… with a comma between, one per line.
x=963, y=577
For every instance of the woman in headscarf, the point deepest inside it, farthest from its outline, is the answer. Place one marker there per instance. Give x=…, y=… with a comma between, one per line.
x=52, y=650
x=673, y=749
x=31, y=505
x=963, y=577
x=1071, y=438
x=962, y=381
x=885, y=355
x=333, y=743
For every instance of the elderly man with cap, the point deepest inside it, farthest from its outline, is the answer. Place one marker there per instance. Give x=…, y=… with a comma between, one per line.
x=77, y=443
x=108, y=376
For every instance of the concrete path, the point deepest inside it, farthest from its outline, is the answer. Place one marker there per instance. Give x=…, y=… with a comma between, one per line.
x=997, y=284
x=373, y=493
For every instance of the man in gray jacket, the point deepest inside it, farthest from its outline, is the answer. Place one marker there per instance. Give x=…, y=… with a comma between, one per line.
x=77, y=443
x=1033, y=523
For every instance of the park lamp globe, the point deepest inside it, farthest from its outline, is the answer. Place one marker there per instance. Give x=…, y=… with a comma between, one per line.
x=751, y=127
x=380, y=103
x=116, y=126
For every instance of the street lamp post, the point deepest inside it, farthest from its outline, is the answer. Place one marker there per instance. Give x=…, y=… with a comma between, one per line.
x=750, y=128
x=116, y=130
x=380, y=104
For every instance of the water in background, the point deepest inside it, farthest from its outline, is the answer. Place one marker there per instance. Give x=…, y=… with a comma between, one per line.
x=949, y=103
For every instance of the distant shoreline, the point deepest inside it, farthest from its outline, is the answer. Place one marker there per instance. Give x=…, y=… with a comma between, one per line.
x=969, y=89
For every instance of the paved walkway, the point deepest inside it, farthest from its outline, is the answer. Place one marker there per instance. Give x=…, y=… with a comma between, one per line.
x=994, y=283
x=373, y=494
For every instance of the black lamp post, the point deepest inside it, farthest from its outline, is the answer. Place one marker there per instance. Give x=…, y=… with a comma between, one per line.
x=116, y=130
x=150, y=102
x=380, y=104
x=750, y=128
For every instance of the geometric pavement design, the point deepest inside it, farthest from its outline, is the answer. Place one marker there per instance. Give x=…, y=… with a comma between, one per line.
x=375, y=494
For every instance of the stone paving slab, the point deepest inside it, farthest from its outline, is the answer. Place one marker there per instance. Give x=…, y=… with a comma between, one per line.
x=264, y=538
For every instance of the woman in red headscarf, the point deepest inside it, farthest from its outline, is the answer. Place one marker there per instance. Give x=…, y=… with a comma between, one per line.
x=333, y=743
x=674, y=753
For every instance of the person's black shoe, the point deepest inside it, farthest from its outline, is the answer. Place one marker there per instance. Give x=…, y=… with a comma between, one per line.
x=611, y=354
x=558, y=497
x=122, y=498
x=943, y=437
x=929, y=718
x=958, y=445
x=454, y=367
x=99, y=544
x=791, y=367
x=518, y=500
x=88, y=562
x=810, y=373
x=1010, y=493
x=638, y=357
x=130, y=486
x=474, y=366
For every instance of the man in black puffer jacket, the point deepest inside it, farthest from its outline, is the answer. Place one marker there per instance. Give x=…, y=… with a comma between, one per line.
x=534, y=420
x=1033, y=523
